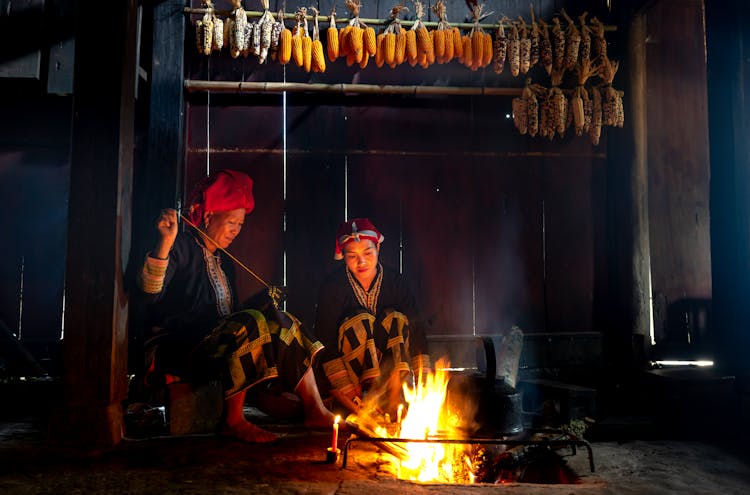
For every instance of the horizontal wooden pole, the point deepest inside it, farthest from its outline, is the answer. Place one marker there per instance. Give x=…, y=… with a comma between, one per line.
x=192, y=86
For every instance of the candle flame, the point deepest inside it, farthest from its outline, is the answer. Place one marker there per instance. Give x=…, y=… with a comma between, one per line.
x=337, y=419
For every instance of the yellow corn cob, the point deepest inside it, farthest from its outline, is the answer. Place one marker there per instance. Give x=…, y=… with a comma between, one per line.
x=400, y=47
x=356, y=41
x=380, y=53
x=458, y=43
x=487, y=50
x=477, y=47
x=285, y=46
x=439, y=45
x=351, y=59
x=390, y=48
x=449, y=47
x=369, y=41
x=411, y=45
x=344, y=46
x=333, y=42
x=423, y=62
x=468, y=55
x=297, y=52
x=318, y=58
x=307, y=53
x=365, y=59
x=424, y=42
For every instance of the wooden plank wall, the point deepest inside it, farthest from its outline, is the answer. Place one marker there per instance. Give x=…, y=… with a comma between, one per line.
x=492, y=228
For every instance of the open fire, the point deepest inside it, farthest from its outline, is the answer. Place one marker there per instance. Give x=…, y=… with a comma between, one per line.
x=429, y=438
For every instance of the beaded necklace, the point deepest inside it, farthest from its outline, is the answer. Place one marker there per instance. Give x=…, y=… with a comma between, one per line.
x=367, y=299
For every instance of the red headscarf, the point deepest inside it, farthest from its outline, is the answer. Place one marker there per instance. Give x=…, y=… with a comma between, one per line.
x=356, y=229
x=223, y=191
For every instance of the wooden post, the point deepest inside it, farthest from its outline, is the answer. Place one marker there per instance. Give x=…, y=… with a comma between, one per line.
x=728, y=89
x=95, y=332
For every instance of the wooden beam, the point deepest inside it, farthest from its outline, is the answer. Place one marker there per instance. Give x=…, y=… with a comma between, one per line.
x=95, y=338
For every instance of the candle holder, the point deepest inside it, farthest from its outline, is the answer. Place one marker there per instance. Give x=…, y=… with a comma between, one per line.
x=332, y=455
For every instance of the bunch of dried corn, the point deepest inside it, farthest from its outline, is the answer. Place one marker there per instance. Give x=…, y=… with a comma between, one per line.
x=500, y=47
x=301, y=42
x=478, y=44
x=357, y=42
x=526, y=110
x=236, y=25
x=209, y=31
x=595, y=131
x=318, y=59
x=572, y=42
x=264, y=28
x=580, y=103
x=393, y=41
x=612, y=108
x=419, y=45
x=444, y=46
x=332, y=37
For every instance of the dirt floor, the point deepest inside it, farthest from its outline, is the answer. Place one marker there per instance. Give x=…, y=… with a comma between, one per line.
x=296, y=465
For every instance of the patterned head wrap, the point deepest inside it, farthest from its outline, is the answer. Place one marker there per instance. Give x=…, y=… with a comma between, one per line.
x=223, y=191
x=356, y=229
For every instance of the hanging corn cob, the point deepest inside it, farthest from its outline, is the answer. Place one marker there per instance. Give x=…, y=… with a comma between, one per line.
x=580, y=98
x=306, y=44
x=534, y=37
x=599, y=43
x=545, y=47
x=479, y=56
x=514, y=50
x=204, y=32
x=572, y=42
x=559, y=103
x=332, y=37
x=524, y=47
x=595, y=131
x=500, y=47
x=612, y=108
x=299, y=33
x=558, y=43
x=264, y=28
x=318, y=59
x=285, y=46
x=584, y=51
x=276, y=29
x=526, y=110
x=236, y=25
x=425, y=55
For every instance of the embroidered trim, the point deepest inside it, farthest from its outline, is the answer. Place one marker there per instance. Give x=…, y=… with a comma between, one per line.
x=367, y=299
x=219, y=282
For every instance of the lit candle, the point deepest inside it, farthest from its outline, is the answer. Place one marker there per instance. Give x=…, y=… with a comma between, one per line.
x=335, y=441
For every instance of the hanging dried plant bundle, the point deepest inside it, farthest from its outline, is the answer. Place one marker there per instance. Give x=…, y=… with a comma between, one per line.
x=612, y=107
x=356, y=40
x=558, y=43
x=584, y=51
x=318, y=59
x=392, y=43
x=534, y=37
x=444, y=45
x=332, y=37
x=514, y=50
x=545, y=47
x=524, y=47
x=482, y=50
x=236, y=24
x=599, y=43
x=526, y=109
x=572, y=42
x=500, y=47
x=580, y=103
x=425, y=50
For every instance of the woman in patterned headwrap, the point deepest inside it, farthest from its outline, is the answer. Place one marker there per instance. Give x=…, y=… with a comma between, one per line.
x=198, y=332
x=367, y=320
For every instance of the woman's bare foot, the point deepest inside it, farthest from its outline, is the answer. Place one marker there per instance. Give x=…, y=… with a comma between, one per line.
x=247, y=432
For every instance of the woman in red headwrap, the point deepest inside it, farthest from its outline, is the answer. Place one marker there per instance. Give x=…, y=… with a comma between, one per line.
x=368, y=322
x=199, y=332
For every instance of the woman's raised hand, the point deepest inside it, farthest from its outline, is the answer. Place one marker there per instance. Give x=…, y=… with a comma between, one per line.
x=167, y=227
